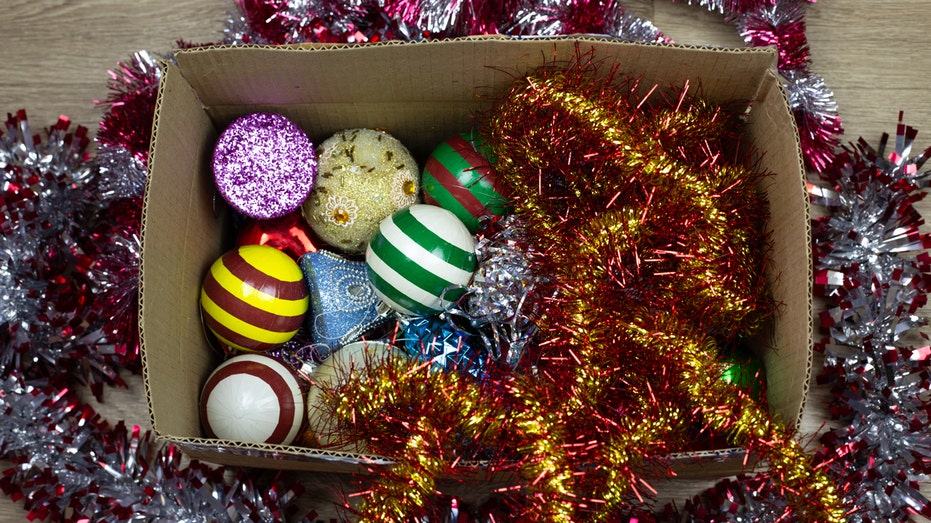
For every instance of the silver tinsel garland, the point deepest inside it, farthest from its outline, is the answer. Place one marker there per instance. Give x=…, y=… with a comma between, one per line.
x=68, y=465
x=872, y=264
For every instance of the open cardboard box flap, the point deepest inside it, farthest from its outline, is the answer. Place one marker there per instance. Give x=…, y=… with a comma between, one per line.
x=421, y=93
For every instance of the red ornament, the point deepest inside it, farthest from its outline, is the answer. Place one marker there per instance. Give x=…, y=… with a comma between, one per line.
x=290, y=234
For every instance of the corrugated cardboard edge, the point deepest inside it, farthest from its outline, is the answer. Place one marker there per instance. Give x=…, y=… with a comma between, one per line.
x=803, y=221
x=588, y=37
x=160, y=94
x=182, y=56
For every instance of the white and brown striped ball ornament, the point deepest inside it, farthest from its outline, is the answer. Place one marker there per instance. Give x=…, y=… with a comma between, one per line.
x=253, y=398
x=254, y=298
x=421, y=259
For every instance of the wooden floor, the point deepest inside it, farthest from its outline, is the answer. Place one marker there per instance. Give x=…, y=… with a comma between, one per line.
x=54, y=57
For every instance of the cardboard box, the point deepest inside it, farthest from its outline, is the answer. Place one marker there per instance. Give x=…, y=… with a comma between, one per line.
x=421, y=93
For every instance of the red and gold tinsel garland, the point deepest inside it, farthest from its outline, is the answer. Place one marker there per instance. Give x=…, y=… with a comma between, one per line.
x=651, y=246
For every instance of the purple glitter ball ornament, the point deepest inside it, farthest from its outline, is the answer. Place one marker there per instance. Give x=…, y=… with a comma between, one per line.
x=264, y=165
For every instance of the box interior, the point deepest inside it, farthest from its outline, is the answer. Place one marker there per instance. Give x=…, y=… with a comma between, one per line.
x=420, y=93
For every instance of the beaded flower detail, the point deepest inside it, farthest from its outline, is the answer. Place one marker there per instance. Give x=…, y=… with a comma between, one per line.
x=404, y=189
x=340, y=210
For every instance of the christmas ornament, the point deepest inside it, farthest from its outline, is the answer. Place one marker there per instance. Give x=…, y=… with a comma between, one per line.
x=289, y=234
x=441, y=343
x=365, y=176
x=254, y=298
x=343, y=304
x=459, y=178
x=420, y=260
x=253, y=398
x=348, y=363
x=745, y=369
x=264, y=165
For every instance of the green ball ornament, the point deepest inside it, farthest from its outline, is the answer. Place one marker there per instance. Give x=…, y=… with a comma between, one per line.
x=421, y=259
x=745, y=369
x=459, y=177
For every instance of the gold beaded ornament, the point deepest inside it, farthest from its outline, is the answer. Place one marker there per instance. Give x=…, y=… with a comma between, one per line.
x=364, y=176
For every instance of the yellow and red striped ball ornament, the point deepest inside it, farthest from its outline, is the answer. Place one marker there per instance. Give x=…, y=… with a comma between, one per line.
x=254, y=298
x=420, y=260
x=460, y=178
x=254, y=398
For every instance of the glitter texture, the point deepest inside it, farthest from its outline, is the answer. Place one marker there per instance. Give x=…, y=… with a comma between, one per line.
x=264, y=165
x=343, y=304
x=365, y=176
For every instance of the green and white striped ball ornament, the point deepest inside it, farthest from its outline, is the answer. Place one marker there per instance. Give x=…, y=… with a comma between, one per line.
x=421, y=259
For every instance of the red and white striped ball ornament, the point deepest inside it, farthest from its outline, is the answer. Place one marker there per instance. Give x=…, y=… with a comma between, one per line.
x=253, y=398
x=459, y=177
